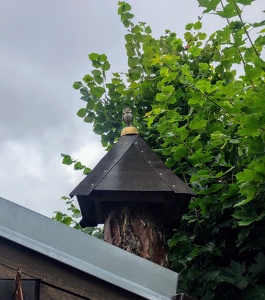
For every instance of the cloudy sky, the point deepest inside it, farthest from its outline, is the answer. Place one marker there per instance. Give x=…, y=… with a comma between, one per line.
x=43, y=49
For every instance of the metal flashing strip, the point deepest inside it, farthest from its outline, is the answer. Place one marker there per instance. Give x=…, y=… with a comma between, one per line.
x=85, y=252
x=79, y=264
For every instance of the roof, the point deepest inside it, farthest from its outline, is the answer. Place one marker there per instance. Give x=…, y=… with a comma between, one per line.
x=132, y=172
x=131, y=165
x=85, y=253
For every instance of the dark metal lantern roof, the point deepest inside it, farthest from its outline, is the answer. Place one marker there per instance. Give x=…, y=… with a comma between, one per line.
x=129, y=172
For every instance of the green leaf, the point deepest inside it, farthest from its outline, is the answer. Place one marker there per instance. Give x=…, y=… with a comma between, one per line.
x=162, y=127
x=106, y=66
x=123, y=7
x=129, y=38
x=89, y=118
x=229, y=11
x=248, y=190
x=77, y=85
x=234, y=275
x=246, y=176
x=259, y=267
x=247, y=217
x=120, y=88
x=260, y=41
x=189, y=26
x=133, y=61
x=135, y=70
x=126, y=23
x=96, y=64
x=164, y=71
x=97, y=91
x=161, y=97
x=195, y=51
x=200, y=157
x=97, y=76
x=170, y=162
x=136, y=29
x=237, y=268
x=84, y=91
x=179, y=152
x=93, y=56
x=150, y=120
x=197, y=25
x=66, y=220
x=259, y=24
x=173, y=115
x=90, y=104
x=209, y=4
x=67, y=160
x=87, y=171
x=98, y=79
x=102, y=58
x=168, y=89
x=181, y=132
x=197, y=99
x=96, y=73
x=245, y=2
x=81, y=113
x=198, y=124
x=78, y=166
x=204, y=86
x=202, y=36
x=148, y=30
x=236, y=25
x=212, y=189
x=211, y=276
x=88, y=78
x=65, y=197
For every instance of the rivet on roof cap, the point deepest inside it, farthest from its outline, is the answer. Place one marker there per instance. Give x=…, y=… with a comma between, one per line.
x=149, y=162
x=92, y=183
x=105, y=171
x=173, y=185
x=135, y=143
x=160, y=174
x=142, y=151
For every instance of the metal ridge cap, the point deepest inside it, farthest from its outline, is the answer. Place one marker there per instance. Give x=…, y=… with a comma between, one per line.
x=80, y=264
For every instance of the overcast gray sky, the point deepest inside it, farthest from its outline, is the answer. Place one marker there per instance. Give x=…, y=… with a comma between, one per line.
x=44, y=47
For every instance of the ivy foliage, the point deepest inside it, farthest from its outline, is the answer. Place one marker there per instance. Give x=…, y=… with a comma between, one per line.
x=73, y=217
x=199, y=103
x=68, y=160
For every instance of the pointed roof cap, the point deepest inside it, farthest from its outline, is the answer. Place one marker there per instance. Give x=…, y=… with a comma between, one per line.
x=131, y=165
x=131, y=172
